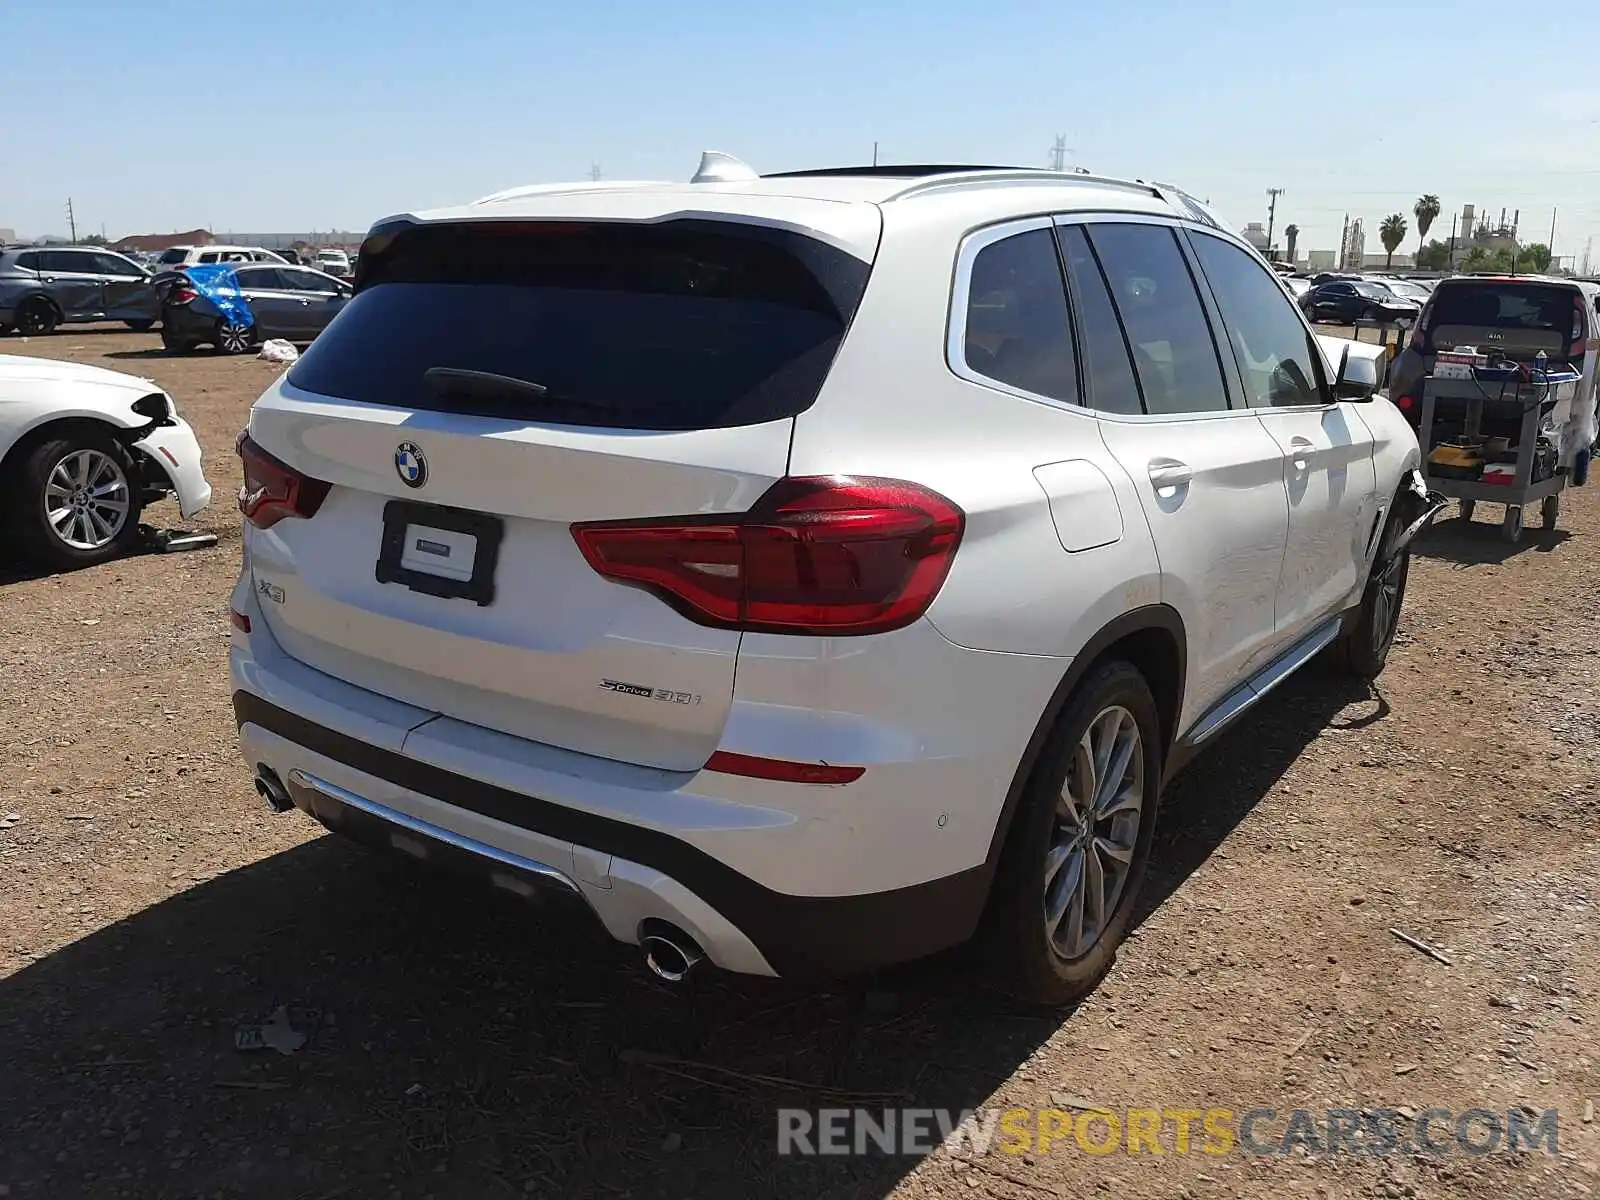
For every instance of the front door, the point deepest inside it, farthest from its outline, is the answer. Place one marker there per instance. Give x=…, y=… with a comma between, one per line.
x=127, y=290
x=1209, y=477
x=1326, y=449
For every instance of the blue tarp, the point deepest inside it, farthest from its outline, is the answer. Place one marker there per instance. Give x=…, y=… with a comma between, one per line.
x=218, y=284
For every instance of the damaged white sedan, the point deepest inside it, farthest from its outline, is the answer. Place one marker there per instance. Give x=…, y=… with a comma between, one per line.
x=83, y=450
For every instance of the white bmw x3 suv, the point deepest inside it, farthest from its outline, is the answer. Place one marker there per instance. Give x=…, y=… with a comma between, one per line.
x=804, y=572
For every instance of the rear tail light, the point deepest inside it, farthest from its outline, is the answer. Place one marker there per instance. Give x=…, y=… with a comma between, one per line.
x=834, y=555
x=182, y=295
x=1405, y=403
x=1575, y=350
x=273, y=490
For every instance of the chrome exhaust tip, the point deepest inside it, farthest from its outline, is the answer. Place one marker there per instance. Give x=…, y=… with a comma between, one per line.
x=270, y=788
x=669, y=953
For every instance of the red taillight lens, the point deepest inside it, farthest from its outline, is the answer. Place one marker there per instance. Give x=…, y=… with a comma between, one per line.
x=273, y=490
x=182, y=295
x=1405, y=403
x=752, y=766
x=836, y=555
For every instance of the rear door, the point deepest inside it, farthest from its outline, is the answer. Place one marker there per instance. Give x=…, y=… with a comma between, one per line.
x=591, y=372
x=72, y=277
x=321, y=298
x=1208, y=475
x=279, y=312
x=1327, y=449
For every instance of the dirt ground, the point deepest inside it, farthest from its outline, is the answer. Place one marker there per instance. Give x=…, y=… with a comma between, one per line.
x=458, y=1047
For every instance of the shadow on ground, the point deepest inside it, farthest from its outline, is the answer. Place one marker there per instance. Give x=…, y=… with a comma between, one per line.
x=1478, y=542
x=460, y=1048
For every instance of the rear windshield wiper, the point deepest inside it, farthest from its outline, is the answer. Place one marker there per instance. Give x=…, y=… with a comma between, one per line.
x=486, y=385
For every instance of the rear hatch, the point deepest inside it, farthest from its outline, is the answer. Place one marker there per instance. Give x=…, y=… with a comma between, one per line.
x=1518, y=318
x=490, y=385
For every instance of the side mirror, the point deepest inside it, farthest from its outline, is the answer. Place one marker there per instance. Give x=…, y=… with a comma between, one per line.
x=1358, y=377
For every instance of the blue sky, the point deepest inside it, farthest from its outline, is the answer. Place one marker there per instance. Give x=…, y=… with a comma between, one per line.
x=159, y=115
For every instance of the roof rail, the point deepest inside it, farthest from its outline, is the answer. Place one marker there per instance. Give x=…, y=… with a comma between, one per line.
x=893, y=171
x=1028, y=175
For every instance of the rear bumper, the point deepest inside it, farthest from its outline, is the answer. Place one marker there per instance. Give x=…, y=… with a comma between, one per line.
x=721, y=857
x=624, y=874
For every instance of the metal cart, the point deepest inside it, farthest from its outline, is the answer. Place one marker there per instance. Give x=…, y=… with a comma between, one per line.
x=1504, y=396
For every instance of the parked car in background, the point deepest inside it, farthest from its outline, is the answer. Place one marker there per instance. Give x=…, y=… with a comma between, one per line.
x=292, y=303
x=82, y=451
x=42, y=287
x=1517, y=317
x=177, y=256
x=334, y=262
x=1298, y=285
x=1347, y=301
x=1405, y=289
x=650, y=561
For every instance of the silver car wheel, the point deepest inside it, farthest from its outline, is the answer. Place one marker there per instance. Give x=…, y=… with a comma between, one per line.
x=235, y=339
x=1096, y=831
x=87, y=499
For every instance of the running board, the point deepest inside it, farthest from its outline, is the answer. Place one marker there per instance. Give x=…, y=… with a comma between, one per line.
x=1258, y=685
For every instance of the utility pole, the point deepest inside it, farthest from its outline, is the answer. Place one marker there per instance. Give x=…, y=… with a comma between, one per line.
x=594, y=172
x=1344, y=243
x=72, y=221
x=874, y=153
x=1551, y=244
x=1272, y=212
x=1451, y=265
x=1058, y=153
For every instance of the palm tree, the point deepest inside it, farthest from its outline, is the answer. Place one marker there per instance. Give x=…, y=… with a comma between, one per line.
x=1391, y=233
x=1291, y=234
x=1425, y=210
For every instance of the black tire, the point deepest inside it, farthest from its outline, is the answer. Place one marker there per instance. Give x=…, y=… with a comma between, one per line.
x=4, y=329
x=233, y=339
x=140, y=326
x=1550, y=511
x=1361, y=650
x=1018, y=934
x=1511, y=525
x=26, y=502
x=1468, y=507
x=37, y=317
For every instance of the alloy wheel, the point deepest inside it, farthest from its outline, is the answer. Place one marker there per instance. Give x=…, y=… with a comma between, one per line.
x=235, y=339
x=1098, y=814
x=87, y=499
x=35, y=319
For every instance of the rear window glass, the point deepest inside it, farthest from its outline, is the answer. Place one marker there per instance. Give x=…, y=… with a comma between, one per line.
x=1503, y=306
x=682, y=325
x=171, y=256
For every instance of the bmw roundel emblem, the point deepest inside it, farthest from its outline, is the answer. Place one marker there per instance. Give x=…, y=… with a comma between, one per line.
x=410, y=464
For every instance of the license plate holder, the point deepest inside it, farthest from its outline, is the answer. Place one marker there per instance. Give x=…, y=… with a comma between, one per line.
x=407, y=547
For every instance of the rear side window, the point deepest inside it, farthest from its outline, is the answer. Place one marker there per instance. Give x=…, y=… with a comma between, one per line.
x=681, y=325
x=1108, y=370
x=1017, y=326
x=1155, y=295
x=1503, y=306
x=28, y=262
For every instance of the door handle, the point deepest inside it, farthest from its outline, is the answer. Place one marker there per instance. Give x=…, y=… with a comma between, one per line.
x=1167, y=473
x=1299, y=450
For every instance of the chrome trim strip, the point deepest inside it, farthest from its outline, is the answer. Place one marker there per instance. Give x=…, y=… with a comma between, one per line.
x=427, y=829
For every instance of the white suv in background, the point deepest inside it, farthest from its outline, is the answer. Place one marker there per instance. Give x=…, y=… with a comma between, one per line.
x=805, y=572
x=174, y=257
